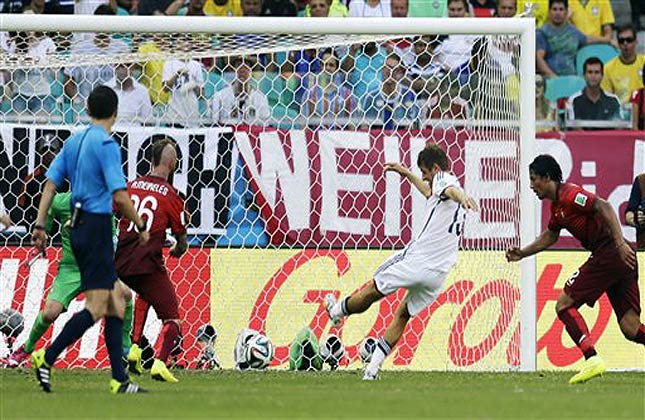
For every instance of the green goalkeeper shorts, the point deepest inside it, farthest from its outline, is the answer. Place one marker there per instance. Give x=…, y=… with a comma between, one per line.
x=66, y=286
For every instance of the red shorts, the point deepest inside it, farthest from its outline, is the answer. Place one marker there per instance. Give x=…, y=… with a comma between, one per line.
x=605, y=272
x=156, y=289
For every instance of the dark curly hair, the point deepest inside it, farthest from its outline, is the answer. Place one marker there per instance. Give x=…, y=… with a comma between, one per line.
x=546, y=165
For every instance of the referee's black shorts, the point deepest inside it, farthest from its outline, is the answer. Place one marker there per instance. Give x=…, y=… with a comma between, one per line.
x=93, y=248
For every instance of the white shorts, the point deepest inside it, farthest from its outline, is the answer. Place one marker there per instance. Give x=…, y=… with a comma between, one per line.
x=423, y=284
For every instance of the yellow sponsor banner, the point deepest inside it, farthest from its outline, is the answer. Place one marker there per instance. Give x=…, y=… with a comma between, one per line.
x=281, y=291
x=555, y=348
x=473, y=324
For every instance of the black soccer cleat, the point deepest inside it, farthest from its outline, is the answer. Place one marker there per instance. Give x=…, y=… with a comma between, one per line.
x=126, y=387
x=43, y=371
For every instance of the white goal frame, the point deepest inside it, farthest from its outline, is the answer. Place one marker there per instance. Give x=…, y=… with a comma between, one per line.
x=523, y=27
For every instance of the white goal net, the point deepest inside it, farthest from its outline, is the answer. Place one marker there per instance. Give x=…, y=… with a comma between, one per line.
x=282, y=137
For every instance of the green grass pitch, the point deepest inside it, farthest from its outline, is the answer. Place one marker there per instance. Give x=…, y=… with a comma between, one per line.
x=342, y=394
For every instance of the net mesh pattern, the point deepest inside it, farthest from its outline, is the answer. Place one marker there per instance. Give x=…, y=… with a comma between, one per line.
x=281, y=144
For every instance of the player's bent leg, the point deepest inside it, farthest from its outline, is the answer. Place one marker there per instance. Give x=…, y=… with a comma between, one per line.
x=43, y=320
x=113, y=333
x=141, y=307
x=593, y=366
x=116, y=301
x=357, y=303
x=170, y=331
x=52, y=311
x=160, y=292
x=96, y=302
x=386, y=343
x=567, y=311
x=632, y=328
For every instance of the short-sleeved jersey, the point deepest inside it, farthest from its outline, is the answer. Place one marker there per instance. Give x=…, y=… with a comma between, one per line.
x=560, y=46
x=161, y=206
x=573, y=211
x=591, y=16
x=91, y=161
x=438, y=240
x=622, y=79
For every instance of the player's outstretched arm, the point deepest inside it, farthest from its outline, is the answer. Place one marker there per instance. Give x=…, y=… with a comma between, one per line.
x=626, y=253
x=38, y=233
x=458, y=195
x=419, y=183
x=542, y=242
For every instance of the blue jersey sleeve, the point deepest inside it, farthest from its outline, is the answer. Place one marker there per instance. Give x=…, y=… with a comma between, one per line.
x=57, y=171
x=111, y=166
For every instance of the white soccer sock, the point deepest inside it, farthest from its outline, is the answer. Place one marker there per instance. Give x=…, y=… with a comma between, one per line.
x=339, y=309
x=336, y=310
x=378, y=357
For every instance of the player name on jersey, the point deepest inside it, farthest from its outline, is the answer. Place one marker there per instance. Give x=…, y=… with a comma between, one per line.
x=149, y=186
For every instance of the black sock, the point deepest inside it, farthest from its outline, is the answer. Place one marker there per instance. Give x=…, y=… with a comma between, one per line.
x=343, y=306
x=72, y=331
x=114, y=343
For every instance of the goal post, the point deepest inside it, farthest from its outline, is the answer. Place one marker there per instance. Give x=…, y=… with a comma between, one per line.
x=321, y=216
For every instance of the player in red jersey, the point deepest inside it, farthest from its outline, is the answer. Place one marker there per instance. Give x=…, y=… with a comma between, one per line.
x=142, y=267
x=612, y=267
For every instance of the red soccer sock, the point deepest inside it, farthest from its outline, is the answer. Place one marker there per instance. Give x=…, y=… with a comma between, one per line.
x=140, y=314
x=169, y=334
x=640, y=335
x=578, y=330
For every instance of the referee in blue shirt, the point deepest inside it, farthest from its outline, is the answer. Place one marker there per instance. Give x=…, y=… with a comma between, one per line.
x=91, y=161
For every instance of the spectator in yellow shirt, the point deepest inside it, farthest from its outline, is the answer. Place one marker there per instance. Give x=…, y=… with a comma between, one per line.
x=152, y=69
x=223, y=8
x=592, y=17
x=623, y=73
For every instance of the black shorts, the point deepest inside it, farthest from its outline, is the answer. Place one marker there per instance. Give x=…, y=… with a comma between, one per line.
x=93, y=248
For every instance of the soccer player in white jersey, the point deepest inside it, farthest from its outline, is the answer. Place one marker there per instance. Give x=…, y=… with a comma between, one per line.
x=421, y=267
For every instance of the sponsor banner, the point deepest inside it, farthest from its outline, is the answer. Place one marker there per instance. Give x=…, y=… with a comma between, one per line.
x=329, y=187
x=603, y=162
x=473, y=324
x=203, y=173
x=555, y=348
x=24, y=288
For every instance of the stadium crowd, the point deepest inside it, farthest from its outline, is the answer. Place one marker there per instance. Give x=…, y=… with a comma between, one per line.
x=588, y=68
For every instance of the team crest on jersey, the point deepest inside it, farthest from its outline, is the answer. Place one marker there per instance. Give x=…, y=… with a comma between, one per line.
x=580, y=199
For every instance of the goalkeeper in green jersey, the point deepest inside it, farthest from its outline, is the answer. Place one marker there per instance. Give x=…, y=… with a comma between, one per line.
x=66, y=286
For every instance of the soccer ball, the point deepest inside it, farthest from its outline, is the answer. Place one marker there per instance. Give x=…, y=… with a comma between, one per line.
x=206, y=334
x=367, y=348
x=332, y=351
x=258, y=352
x=11, y=323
